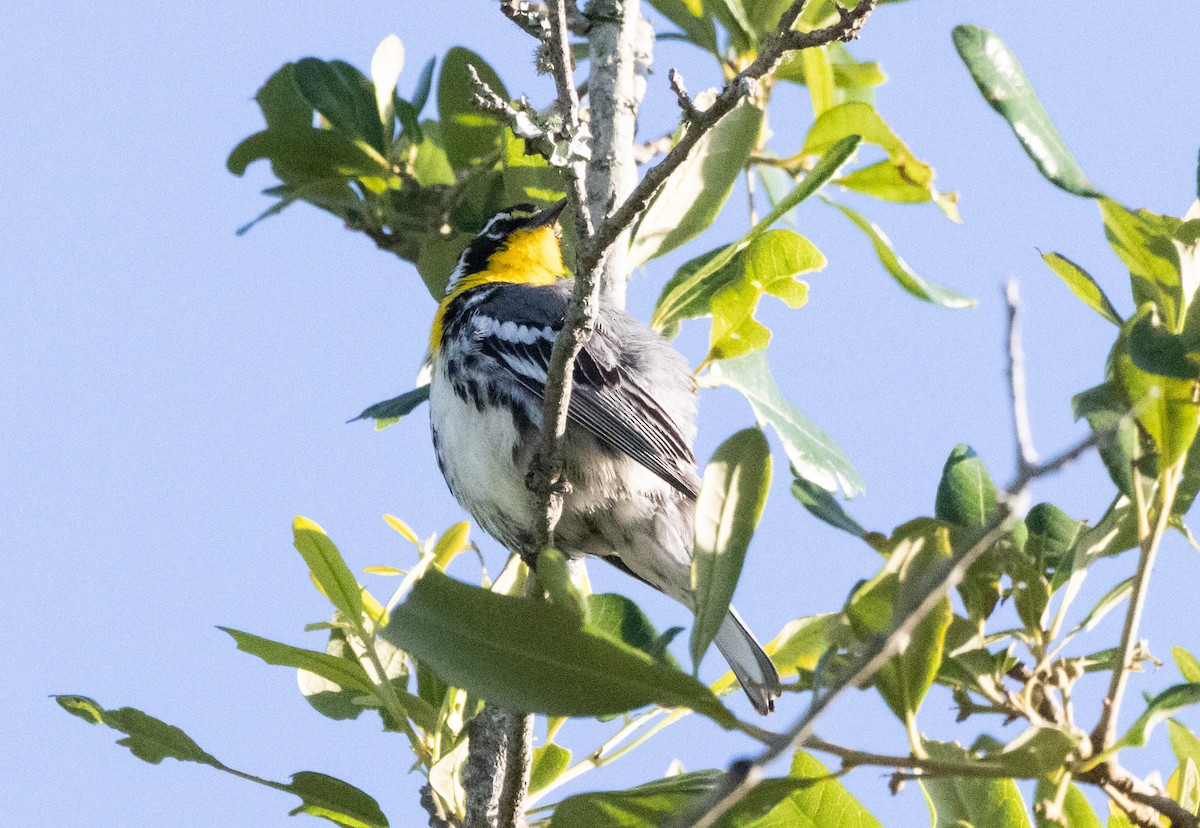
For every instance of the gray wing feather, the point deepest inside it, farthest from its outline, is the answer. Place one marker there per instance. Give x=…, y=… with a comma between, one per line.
x=608, y=398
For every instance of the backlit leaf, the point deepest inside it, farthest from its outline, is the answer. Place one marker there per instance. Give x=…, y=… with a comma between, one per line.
x=328, y=569
x=732, y=496
x=470, y=134
x=1082, y=285
x=957, y=801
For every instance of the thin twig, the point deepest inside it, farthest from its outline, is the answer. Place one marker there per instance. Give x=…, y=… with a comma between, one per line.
x=530, y=17
x=736, y=89
x=1026, y=453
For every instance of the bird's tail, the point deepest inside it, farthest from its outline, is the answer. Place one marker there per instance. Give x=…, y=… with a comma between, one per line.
x=749, y=662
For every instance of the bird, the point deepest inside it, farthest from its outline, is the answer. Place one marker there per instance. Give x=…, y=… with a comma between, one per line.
x=628, y=459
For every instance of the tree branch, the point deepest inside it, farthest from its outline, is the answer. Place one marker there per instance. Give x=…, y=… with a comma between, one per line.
x=736, y=89
x=1026, y=453
x=496, y=774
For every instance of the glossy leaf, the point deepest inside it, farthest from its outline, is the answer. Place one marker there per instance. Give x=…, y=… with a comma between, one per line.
x=1007, y=90
x=689, y=293
x=824, y=506
x=688, y=201
x=966, y=495
x=1162, y=706
x=1076, y=809
x=732, y=496
x=899, y=269
x=768, y=265
x=328, y=569
x=956, y=801
x=344, y=97
x=470, y=134
x=1083, y=285
x=391, y=411
x=813, y=455
x=531, y=655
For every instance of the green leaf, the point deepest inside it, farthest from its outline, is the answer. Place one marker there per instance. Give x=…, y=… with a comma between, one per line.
x=853, y=119
x=732, y=15
x=549, y=762
x=344, y=97
x=1004, y=86
x=691, y=18
x=1187, y=664
x=916, y=551
x=802, y=642
x=899, y=269
x=824, y=803
x=149, y=739
x=689, y=293
x=1107, y=414
x=1183, y=742
x=1147, y=362
x=431, y=166
x=330, y=571
x=769, y=264
x=1184, y=786
x=966, y=495
x=390, y=411
x=1052, y=534
x=622, y=620
x=1075, y=808
x=335, y=800
x=1083, y=285
x=283, y=106
x=1037, y=752
x=470, y=135
x=1145, y=242
x=957, y=801
x=732, y=496
x=342, y=672
x=813, y=455
x=645, y=805
x=887, y=182
x=688, y=201
x=531, y=655
x=1158, y=708
x=818, y=74
x=307, y=155
x=824, y=506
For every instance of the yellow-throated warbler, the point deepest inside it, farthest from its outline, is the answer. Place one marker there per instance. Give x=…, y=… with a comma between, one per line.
x=631, y=422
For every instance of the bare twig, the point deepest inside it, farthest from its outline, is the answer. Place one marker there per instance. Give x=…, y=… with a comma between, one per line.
x=530, y=17
x=1138, y=798
x=1026, y=453
x=1105, y=732
x=652, y=149
x=738, y=88
x=675, y=79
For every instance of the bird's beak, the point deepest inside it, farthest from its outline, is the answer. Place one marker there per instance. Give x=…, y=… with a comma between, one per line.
x=549, y=216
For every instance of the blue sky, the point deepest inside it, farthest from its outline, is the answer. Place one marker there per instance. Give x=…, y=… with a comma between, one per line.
x=174, y=394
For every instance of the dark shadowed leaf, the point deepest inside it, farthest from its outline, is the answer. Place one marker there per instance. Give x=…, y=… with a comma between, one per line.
x=149, y=739
x=899, y=269
x=531, y=655
x=732, y=496
x=335, y=800
x=344, y=97
x=813, y=455
x=824, y=506
x=1106, y=413
x=343, y=672
x=644, y=806
x=958, y=801
x=470, y=134
x=622, y=620
x=966, y=495
x=390, y=411
x=1082, y=285
x=1000, y=78
x=307, y=155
